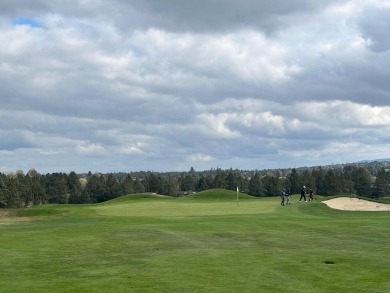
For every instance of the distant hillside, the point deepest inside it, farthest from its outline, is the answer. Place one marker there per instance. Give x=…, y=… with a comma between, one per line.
x=376, y=160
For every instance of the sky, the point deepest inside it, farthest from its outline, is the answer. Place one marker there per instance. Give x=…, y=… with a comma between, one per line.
x=147, y=85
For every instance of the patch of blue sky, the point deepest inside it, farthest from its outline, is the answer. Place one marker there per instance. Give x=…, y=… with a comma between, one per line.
x=26, y=21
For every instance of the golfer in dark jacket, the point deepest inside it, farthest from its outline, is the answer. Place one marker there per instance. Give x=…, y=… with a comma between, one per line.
x=303, y=194
x=282, y=195
x=287, y=196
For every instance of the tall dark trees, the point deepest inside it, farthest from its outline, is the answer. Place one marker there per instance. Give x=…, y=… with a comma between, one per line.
x=96, y=188
x=37, y=190
x=362, y=181
x=204, y=182
x=319, y=180
x=220, y=180
x=255, y=186
x=75, y=192
x=19, y=190
x=170, y=187
x=232, y=181
x=3, y=191
x=138, y=186
x=271, y=185
x=187, y=182
x=57, y=188
x=152, y=183
x=307, y=179
x=382, y=184
x=10, y=195
x=128, y=185
x=293, y=182
x=113, y=187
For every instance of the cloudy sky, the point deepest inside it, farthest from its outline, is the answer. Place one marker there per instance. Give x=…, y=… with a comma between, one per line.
x=163, y=85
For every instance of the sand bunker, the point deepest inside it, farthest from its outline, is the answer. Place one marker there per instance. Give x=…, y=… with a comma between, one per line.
x=356, y=204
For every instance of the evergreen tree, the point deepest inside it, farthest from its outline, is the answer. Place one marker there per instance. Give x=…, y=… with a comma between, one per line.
x=187, y=182
x=308, y=180
x=293, y=182
x=152, y=183
x=96, y=188
x=319, y=179
x=382, y=184
x=128, y=185
x=232, y=181
x=220, y=180
x=138, y=186
x=74, y=189
x=3, y=190
x=38, y=191
x=12, y=194
x=256, y=187
x=205, y=182
x=362, y=181
x=331, y=183
x=114, y=188
x=170, y=187
x=271, y=185
x=57, y=188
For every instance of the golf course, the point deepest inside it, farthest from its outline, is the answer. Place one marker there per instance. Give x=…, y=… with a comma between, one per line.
x=205, y=242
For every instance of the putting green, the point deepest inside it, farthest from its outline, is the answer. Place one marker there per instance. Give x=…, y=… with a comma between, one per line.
x=181, y=208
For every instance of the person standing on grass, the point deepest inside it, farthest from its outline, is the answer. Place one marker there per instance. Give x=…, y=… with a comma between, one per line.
x=282, y=195
x=303, y=194
x=311, y=195
x=287, y=196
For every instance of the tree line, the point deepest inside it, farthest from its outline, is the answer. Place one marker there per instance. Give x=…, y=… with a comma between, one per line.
x=23, y=190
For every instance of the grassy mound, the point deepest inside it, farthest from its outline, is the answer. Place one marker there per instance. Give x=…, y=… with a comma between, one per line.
x=137, y=196
x=218, y=194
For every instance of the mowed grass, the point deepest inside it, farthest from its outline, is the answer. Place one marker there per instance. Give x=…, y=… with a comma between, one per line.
x=202, y=243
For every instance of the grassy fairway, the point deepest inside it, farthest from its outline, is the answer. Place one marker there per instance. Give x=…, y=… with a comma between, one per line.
x=202, y=243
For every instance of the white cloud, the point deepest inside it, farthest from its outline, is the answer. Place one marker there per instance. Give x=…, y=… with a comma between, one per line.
x=200, y=157
x=215, y=125
x=274, y=124
x=346, y=113
x=90, y=149
x=132, y=149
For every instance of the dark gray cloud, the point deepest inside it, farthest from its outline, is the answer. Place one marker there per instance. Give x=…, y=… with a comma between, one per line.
x=176, y=15
x=11, y=140
x=221, y=15
x=375, y=25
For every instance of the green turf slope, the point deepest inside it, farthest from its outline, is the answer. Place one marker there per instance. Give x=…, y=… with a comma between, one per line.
x=205, y=242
